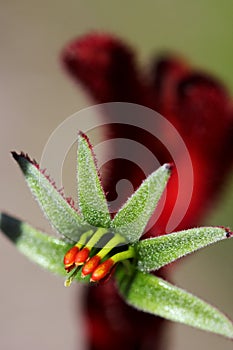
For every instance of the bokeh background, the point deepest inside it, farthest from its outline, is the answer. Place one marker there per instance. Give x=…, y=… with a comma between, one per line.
x=36, y=312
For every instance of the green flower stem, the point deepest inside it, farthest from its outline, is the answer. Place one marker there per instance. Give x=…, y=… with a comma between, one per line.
x=127, y=254
x=117, y=239
x=96, y=237
x=84, y=238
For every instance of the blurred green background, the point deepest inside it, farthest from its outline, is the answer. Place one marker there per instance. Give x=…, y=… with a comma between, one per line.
x=36, y=96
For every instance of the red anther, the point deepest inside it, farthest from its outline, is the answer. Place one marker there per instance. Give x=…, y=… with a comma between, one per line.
x=69, y=258
x=69, y=268
x=90, y=265
x=82, y=256
x=102, y=270
x=108, y=276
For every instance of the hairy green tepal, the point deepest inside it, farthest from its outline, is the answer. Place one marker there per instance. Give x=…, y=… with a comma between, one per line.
x=117, y=243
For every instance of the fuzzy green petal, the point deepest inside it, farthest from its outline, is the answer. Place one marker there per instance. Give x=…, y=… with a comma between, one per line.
x=91, y=197
x=42, y=249
x=46, y=251
x=132, y=218
x=62, y=216
x=151, y=294
x=156, y=252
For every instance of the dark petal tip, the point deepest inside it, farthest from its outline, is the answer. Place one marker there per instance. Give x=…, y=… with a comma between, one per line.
x=15, y=155
x=229, y=233
x=18, y=156
x=170, y=167
x=86, y=138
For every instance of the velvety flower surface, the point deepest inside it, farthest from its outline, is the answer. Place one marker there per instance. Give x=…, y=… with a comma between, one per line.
x=197, y=104
x=199, y=107
x=95, y=247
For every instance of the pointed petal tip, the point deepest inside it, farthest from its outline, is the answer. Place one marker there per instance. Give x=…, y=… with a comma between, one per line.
x=229, y=233
x=25, y=156
x=10, y=226
x=83, y=137
x=81, y=134
x=169, y=167
x=15, y=155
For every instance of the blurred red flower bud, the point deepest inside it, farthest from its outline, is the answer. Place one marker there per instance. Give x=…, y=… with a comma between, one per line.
x=200, y=108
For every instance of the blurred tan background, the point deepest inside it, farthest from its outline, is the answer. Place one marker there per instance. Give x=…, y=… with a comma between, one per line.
x=36, y=311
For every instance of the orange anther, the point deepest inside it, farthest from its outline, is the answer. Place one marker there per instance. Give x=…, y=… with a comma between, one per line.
x=102, y=270
x=82, y=256
x=69, y=258
x=90, y=265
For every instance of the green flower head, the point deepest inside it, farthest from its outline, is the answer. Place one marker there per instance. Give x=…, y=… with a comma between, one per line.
x=94, y=247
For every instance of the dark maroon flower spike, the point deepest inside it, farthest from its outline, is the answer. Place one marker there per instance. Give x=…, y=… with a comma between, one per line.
x=196, y=104
x=112, y=324
x=106, y=67
x=200, y=109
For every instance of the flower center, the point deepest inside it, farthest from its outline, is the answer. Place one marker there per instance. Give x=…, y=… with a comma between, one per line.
x=96, y=254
